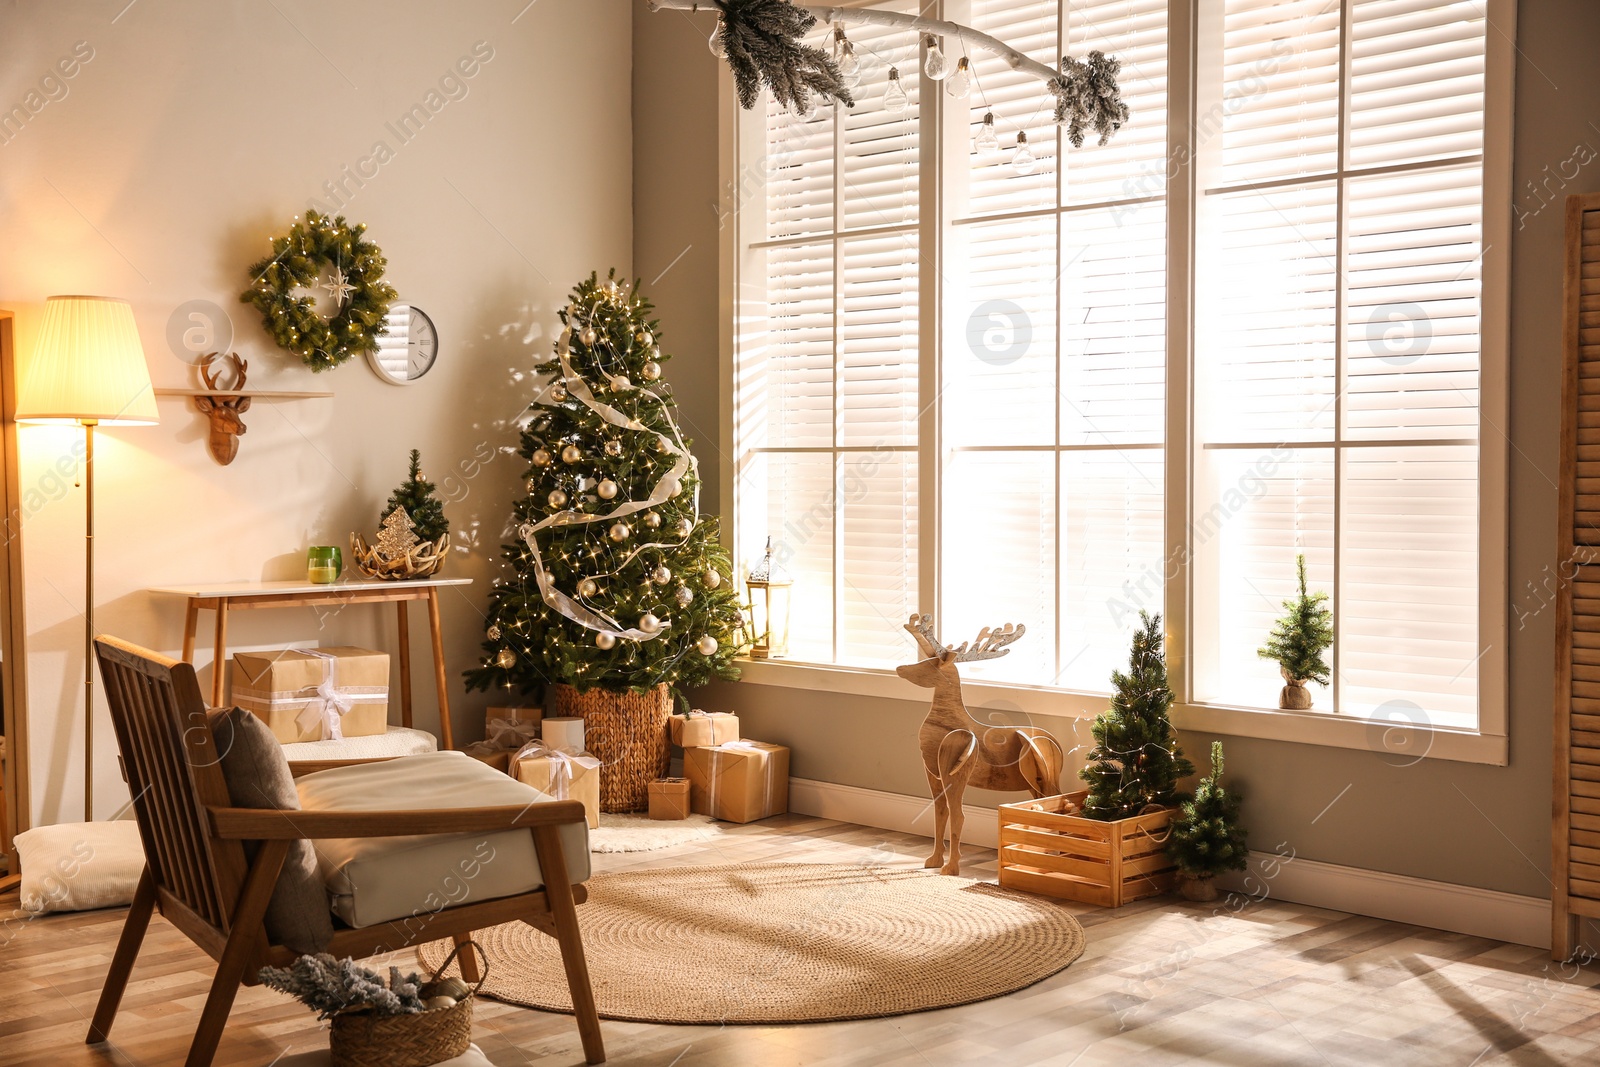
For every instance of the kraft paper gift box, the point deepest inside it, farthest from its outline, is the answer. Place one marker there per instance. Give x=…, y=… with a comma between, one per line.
x=315, y=694
x=700, y=729
x=561, y=776
x=669, y=799
x=484, y=752
x=741, y=781
x=528, y=715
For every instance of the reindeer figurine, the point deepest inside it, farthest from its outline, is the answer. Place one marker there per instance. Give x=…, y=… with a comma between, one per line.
x=224, y=411
x=958, y=751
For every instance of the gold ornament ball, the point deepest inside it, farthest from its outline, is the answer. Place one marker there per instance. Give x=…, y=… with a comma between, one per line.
x=506, y=659
x=605, y=641
x=685, y=527
x=619, y=532
x=685, y=596
x=607, y=489
x=640, y=335
x=661, y=575
x=649, y=623
x=493, y=633
x=621, y=383
x=652, y=520
x=613, y=449
x=557, y=498
x=712, y=578
x=541, y=458
x=651, y=371
x=571, y=454
x=707, y=645
x=558, y=392
x=588, y=587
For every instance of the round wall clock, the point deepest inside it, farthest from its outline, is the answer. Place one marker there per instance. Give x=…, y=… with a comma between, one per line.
x=408, y=348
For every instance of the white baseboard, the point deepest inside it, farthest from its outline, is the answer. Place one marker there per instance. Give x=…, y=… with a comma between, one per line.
x=887, y=811
x=1440, y=905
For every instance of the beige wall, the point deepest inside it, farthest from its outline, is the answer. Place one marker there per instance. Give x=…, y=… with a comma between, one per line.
x=194, y=133
x=1474, y=825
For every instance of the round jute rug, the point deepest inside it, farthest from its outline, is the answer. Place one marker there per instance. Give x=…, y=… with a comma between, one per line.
x=785, y=942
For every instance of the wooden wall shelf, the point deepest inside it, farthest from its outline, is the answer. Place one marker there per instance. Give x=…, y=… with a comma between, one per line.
x=254, y=394
x=224, y=407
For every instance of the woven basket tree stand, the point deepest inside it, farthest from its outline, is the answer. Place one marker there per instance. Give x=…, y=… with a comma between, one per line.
x=627, y=732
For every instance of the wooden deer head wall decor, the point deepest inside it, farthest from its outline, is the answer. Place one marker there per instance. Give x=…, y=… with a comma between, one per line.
x=958, y=751
x=225, y=405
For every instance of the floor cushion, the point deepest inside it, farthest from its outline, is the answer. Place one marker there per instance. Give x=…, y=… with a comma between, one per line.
x=377, y=879
x=396, y=741
x=258, y=777
x=80, y=866
x=473, y=1057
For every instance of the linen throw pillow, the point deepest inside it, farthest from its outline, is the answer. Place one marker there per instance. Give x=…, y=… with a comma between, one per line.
x=79, y=866
x=258, y=777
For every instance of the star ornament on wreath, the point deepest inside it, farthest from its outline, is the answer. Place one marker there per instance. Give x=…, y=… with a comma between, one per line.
x=299, y=259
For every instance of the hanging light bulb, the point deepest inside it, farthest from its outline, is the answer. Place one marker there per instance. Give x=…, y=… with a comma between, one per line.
x=849, y=67
x=934, y=66
x=894, y=97
x=843, y=54
x=715, y=43
x=986, y=139
x=959, y=84
x=1022, y=158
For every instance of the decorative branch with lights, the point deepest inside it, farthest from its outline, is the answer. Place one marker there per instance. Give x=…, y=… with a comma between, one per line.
x=763, y=43
x=618, y=581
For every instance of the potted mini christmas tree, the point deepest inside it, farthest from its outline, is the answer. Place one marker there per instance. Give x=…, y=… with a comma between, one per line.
x=618, y=590
x=1298, y=641
x=1107, y=845
x=1136, y=763
x=413, y=534
x=1206, y=837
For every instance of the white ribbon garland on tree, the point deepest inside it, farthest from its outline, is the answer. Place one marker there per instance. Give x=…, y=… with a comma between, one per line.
x=666, y=488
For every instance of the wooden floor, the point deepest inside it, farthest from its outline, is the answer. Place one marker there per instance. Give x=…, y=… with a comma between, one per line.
x=1162, y=982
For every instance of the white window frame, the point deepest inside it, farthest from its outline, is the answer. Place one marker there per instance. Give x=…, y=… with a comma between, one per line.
x=1487, y=744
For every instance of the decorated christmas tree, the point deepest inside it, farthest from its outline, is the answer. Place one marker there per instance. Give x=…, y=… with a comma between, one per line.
x=415, y=496
x=616, y=581
x=1206, y=837
x=1298, y=640
x=1136, y=762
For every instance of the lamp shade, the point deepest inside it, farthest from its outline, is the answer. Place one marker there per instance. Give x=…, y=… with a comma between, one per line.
x=87, y=366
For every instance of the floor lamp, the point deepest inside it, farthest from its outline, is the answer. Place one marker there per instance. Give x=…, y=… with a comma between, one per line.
x=87, y=367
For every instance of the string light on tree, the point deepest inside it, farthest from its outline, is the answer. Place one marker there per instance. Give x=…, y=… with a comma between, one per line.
x=592, y=586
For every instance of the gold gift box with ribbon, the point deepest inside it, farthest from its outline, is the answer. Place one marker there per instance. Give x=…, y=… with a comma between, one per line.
x=315, y=694
x=561, y=776
x=741, y=781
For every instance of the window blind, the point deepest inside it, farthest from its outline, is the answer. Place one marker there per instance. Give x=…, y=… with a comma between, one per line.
x=826, y=368
x=1337, y=346
x=1054, y=358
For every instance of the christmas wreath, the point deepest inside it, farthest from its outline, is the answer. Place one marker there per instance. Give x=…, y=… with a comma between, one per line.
x=360, y=296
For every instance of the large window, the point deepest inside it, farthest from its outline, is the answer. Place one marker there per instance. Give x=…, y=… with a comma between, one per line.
x=1144, y=376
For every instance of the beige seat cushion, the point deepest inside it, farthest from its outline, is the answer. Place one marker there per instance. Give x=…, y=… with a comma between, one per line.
x=378, y=879
x=396, y=741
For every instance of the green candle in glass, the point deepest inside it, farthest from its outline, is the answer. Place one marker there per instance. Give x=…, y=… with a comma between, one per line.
x=323, y=564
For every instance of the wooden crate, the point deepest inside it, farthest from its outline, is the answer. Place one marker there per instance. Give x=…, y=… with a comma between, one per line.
x=1044, y=850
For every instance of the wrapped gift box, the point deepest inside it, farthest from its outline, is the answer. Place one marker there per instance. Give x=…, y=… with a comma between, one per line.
x=498, y=758
x=539, y=767
x=529, y=715
x=701, y=730
x=298, y=692
x=669, y=799
x=564, y=732
x=741, y=781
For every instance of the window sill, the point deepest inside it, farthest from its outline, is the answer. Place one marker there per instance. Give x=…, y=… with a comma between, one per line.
x=1398, y=744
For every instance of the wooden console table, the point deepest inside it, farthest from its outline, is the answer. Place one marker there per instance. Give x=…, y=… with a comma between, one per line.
x=226, y=596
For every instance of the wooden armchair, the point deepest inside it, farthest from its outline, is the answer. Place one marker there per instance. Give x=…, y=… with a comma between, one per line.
x=196, y=869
